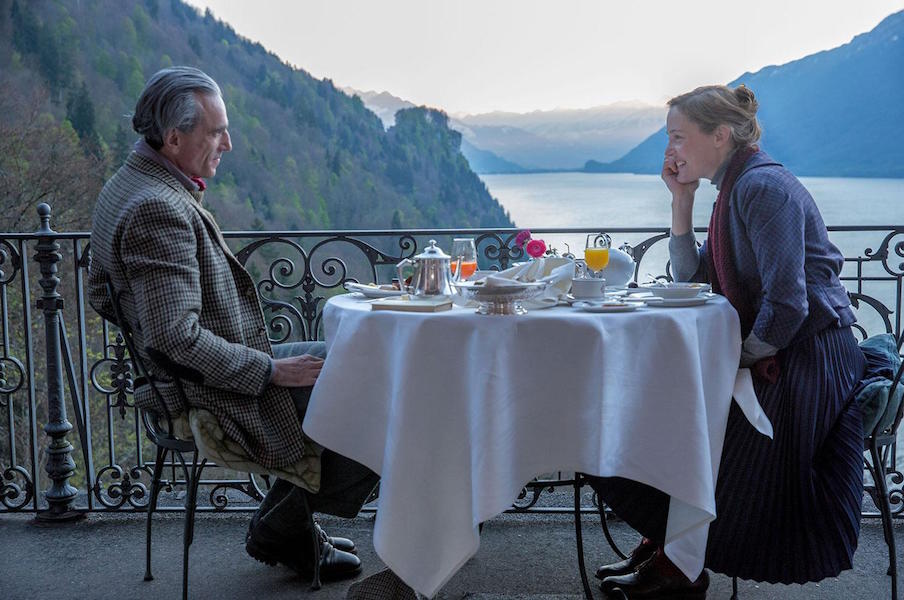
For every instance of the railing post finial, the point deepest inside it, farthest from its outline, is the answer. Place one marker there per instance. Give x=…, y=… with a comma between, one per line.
x=44, y=211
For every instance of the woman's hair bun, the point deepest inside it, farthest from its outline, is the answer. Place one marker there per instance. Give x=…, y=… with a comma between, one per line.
x=745, y=98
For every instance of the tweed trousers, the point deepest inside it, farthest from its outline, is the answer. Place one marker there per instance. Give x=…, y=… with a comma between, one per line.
x=344, y=484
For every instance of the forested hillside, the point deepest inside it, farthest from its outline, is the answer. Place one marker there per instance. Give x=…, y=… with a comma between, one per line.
x=306, y=155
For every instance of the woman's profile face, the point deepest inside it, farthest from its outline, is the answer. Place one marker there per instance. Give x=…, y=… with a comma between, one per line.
x=693, y=153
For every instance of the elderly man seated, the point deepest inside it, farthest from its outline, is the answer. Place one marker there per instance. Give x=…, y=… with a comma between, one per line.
x=194, y=308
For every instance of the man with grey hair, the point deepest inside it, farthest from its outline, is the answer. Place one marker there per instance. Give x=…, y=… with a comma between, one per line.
x=195, y=314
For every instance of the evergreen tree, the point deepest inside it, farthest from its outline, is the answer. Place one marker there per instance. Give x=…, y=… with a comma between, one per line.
x=25, y=28
x=80, y=112
x=121, y=146
x=153, y=7
x=194, y=44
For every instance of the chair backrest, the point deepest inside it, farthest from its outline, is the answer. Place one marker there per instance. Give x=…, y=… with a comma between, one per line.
x=160, y=433
x=892, y=431
x=879, y=394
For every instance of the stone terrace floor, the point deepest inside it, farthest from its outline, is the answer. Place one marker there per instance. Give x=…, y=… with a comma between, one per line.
x=527, y=557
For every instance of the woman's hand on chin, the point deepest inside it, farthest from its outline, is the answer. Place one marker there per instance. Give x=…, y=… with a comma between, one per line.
x=682, y=192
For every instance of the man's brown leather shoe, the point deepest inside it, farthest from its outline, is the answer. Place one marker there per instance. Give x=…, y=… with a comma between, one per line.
x=639, y=555
x=657, y=578
x=339, y=543
x=334, y=564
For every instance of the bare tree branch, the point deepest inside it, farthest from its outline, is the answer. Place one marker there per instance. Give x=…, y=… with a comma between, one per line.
x=41, y=159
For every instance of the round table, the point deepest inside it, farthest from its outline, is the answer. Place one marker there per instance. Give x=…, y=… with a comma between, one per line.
x=457, y=411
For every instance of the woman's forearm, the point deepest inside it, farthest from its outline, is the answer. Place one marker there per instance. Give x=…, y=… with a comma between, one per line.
x=682, y=213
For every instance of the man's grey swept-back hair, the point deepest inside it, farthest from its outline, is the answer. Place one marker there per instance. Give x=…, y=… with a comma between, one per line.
x=168, y=101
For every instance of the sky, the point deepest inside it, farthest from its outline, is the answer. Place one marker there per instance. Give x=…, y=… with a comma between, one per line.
x=474, y=56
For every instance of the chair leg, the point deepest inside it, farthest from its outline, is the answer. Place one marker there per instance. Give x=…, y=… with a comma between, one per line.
x=885, y=510
x=315, y=583
x=193, y=479
x=578, y=534
x=734, y=588
x=605, y=525
x=152, y=506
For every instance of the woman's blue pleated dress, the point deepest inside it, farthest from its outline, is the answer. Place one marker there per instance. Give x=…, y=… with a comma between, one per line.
x=788, y=509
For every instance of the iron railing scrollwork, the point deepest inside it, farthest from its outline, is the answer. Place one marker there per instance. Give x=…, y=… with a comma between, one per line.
x=295, y=274
x=16, y=488
x=120, y=389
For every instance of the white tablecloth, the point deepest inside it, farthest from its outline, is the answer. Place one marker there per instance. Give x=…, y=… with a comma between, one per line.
x=457, y=411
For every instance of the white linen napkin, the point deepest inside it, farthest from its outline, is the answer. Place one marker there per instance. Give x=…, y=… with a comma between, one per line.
x=556, y=272
x=746, y=398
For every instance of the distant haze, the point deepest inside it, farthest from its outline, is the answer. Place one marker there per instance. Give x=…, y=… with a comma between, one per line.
x=556, y=139
x=565, y=138
x=474, y=56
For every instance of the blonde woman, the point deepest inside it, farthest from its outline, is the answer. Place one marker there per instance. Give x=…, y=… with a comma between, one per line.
x=788, y=509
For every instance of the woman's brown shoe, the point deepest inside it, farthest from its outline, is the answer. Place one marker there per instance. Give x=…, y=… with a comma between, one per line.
x=639, y=555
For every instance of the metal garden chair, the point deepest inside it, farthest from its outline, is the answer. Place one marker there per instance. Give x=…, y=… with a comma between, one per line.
x=160, y=430
x=579, y=482
x=880, y=444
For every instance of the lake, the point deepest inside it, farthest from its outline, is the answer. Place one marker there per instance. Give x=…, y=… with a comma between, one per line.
x=625, y=200
x=609, y=200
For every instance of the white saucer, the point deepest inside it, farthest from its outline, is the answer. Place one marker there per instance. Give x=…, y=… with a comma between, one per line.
x=678, y=302
x=596, y=307
x=570, y=299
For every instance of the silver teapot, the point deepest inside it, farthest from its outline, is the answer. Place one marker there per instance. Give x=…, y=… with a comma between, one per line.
x=432, y=275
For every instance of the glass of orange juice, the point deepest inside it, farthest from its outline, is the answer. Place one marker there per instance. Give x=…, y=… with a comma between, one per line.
x=464, y=250
x=596, y=251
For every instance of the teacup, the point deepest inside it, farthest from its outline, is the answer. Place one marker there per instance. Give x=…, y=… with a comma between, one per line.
x=586, y=288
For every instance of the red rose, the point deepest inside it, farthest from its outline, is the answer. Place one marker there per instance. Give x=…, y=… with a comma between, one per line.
x=522, y=238
x=536, y=248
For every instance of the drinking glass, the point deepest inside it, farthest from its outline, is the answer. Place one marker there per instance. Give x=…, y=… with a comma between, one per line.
x=464, y=249
x=596, y=251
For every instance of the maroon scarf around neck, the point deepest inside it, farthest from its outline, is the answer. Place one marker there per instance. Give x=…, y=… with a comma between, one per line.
x=720, y=264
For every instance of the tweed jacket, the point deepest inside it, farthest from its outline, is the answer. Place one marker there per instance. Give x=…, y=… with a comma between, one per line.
x=189, y=299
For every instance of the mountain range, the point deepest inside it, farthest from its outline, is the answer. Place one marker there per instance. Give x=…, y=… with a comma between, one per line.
x=562, y=139
x=834, y=113
x=837, y=113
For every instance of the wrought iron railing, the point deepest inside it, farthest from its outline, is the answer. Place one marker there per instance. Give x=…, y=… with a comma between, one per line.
x=79, y=366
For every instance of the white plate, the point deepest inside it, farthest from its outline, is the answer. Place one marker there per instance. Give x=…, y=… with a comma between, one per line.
x=596, y=307
x=678, y=302
x=370, y=291
x=675, y=290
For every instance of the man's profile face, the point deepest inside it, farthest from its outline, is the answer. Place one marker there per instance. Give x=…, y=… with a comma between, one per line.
x=197, y=152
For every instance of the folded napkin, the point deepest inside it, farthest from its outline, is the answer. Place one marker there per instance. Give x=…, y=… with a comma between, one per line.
x=745, y=396
x=556, y=272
